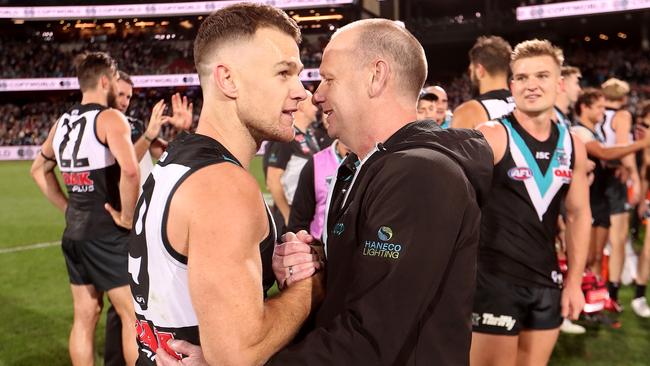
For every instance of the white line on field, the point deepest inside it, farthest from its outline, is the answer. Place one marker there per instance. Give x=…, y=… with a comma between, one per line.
x=29, y=247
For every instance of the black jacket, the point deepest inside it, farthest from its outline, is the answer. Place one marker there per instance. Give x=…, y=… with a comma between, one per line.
x=402, y=253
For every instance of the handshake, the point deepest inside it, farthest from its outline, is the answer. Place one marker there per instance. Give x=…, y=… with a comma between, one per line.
x=296, y=258
x=297, y=261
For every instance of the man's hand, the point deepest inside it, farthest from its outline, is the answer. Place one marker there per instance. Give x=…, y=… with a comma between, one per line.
x=573, y=301
x=120, y=218
x=193, y=353
x=294, y=259
x=156, y=121
x=181, y=112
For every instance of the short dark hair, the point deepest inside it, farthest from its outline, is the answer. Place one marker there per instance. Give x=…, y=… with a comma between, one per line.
x=493, y=53
x=91, y=66
x=239, y=21
x=587, y=97
x=121, y=75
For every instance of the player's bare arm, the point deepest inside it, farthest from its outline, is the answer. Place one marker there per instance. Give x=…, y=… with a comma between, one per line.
x=578, y=226
x=43, y=174
x=495, y=135
x=219, y=224
x=113, y=128
x=469, y=115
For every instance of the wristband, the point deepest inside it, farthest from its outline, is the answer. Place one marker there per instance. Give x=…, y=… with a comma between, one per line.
x=147, y=137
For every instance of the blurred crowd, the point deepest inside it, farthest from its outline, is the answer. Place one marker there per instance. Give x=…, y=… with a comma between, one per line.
x=34, y=58
x=27, y=124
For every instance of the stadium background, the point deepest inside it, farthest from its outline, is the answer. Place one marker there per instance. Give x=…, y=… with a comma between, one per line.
x=35, y=303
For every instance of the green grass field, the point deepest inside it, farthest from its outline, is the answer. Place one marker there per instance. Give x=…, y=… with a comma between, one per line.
x=36, y=306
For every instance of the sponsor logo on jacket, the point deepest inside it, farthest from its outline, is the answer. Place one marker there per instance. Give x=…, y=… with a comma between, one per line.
x=382, y=248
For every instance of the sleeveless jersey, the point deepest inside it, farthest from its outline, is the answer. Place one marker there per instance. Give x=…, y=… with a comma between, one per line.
x=159, y=283
x=497, y=103
x=90, y=173
x=599, y=184
x=519, y=219
x=606, y=128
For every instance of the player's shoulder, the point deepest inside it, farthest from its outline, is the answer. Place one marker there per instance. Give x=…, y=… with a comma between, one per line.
x=466, y=114
x=221, y=181
x=471, y=105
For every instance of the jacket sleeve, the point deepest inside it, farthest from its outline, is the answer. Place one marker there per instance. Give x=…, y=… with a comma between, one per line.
x=406, y=238
x=304, y=200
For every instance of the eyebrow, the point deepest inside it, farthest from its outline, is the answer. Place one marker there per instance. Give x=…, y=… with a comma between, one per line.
x=291, y=65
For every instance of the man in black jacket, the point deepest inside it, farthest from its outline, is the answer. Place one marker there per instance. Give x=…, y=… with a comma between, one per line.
x=403, y=221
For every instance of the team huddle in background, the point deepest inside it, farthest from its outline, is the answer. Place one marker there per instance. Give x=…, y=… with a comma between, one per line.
x=401, y=232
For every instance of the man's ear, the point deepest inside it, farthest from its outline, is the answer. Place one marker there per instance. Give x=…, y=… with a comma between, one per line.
x=379, y=75
x=224, y=79
x=480, y=71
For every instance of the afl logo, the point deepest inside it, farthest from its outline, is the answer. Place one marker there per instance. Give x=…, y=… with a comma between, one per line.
x=385, y=233
x=518, y=173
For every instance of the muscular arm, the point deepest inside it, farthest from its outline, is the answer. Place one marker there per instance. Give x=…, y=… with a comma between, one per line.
x=495, y=135
x=622, y=124
x=224, y=269
x=469, y=115
x=578, y=226
x=603, y=152
x=113, y=128
x=42, y=172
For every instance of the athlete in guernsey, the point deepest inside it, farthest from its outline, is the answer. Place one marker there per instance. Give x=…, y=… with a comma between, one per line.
x=521, y=296
x=91, y=145
x=202, y=240
x=488, y=69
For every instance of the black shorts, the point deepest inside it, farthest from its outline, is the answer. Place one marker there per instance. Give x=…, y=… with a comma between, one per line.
x=504, y=308
x=616, y=193
x=101, y=262
x=600, y=212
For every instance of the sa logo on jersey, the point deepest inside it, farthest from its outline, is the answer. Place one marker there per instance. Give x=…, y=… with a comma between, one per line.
x=520, y=173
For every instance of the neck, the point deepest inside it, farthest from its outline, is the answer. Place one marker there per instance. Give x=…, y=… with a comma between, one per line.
x=562, y=102
x=94, y=96
x=222, y=125
x=586, y=122
x=490, y=82
x=537, y=125
x=379, y=122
